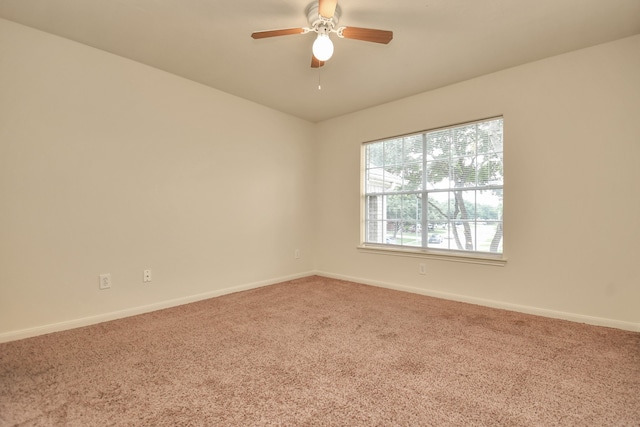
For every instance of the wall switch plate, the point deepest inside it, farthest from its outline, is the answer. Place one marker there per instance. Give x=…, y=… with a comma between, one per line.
x=297, y=254
x=146, y=276
x=105, y=281
x=422, y=269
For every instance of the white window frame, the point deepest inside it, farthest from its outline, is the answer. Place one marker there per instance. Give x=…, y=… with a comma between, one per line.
x=422, y=251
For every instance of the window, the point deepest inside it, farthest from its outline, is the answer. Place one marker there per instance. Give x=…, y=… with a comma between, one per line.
x=436, y=191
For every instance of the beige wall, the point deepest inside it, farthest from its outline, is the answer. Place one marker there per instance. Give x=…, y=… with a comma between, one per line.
x=572, y=187
x=109, y=166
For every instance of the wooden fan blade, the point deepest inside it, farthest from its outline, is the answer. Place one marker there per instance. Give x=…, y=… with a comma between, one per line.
x=326, y=8
x=367, y=34
x=315, y=62
x=276, y=33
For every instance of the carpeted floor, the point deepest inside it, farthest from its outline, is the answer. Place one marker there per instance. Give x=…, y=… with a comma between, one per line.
x=320, y=352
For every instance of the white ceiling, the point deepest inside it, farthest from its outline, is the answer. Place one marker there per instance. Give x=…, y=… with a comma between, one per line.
x=436, y=42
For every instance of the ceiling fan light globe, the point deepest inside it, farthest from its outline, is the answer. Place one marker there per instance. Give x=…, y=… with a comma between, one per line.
x=322, y=47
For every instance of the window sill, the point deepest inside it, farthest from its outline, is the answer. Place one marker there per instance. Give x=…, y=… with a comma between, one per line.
x=488, y=259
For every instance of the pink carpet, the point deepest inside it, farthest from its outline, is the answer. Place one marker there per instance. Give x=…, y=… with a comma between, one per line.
x=324, y=352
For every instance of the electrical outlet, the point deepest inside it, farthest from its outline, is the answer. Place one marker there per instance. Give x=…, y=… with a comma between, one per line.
x=297, y=254
x=422, y=269
x=146, y=276
x=105, y=281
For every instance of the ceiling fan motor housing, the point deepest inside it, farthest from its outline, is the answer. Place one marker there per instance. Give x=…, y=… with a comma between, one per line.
x=316, y=21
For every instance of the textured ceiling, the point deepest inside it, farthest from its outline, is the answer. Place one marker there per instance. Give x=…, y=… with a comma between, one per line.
x=436, y=42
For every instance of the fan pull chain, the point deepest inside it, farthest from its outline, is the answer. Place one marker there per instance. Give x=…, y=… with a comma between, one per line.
x=319, y=84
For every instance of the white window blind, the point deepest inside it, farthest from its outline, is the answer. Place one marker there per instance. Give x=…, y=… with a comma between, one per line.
x=440, y=189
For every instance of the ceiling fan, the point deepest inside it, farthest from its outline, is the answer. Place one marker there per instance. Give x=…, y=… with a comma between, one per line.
x=323, y=16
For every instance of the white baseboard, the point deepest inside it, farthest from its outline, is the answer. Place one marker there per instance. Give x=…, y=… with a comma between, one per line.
x=579, y=318
x=92, y=320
